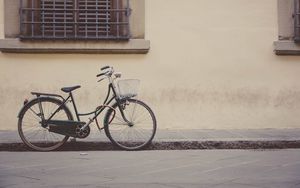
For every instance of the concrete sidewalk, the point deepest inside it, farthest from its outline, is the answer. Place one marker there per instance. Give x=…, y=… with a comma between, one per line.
x=198, y=135
x=179, y=139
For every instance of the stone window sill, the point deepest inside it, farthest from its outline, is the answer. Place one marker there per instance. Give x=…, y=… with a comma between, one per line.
x=286, y=47
x=133, y=46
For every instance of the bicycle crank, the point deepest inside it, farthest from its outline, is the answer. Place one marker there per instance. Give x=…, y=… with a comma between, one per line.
x=82, y=133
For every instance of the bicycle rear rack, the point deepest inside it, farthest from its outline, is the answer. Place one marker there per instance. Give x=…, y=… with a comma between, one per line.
x=38, y=94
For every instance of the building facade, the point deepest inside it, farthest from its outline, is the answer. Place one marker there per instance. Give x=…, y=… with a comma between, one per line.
x=203, y=64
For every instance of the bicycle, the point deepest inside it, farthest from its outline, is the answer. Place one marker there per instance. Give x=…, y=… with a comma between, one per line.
x=45, y=123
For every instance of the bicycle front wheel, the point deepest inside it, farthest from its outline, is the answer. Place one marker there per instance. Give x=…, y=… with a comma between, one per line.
x=33, y=133
x=134, y=129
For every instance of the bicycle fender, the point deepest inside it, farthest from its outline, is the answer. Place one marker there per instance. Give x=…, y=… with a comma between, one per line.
x=25, y=104
x=31, y=101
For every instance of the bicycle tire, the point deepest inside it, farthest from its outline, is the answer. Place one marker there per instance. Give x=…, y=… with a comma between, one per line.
x=113, y=119
x=27, y=127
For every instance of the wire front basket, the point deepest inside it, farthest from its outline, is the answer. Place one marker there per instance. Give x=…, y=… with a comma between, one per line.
x=128, y=88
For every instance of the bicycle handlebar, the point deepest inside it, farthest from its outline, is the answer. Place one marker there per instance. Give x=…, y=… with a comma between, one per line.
x=106, y=73
x=106, y=67
x=101, y=74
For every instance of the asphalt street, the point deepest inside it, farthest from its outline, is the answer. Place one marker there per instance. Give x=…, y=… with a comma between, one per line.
x=165, y=169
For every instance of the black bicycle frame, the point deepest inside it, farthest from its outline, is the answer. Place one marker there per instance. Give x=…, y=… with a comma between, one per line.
x=98, y=110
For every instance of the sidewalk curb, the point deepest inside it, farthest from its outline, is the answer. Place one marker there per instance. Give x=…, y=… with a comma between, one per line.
x=174, y=145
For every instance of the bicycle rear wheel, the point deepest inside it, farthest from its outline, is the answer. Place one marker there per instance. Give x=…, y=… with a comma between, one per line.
x=137, y=132
x=31, y=130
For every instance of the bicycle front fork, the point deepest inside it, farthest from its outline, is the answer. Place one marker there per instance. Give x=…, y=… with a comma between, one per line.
x=122, y=108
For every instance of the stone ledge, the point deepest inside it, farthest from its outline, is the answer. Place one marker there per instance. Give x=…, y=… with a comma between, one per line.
x=133, y=46
x=286, y=47
x=175, y=145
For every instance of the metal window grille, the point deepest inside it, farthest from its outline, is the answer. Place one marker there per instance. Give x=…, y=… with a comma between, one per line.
x=296, y=21
x=75, y=19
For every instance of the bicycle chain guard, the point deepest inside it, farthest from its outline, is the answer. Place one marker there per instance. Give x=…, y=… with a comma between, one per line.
x=68, y=128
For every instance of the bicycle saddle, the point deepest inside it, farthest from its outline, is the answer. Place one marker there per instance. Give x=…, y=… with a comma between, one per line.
x=69, y=89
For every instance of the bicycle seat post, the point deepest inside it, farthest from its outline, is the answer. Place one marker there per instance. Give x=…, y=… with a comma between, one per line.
x=74, y=105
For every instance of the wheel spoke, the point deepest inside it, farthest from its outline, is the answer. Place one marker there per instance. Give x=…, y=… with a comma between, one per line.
x=134, y=136
x=30, y=128
x=133, y=112
x=34, y=134
x=34, y=113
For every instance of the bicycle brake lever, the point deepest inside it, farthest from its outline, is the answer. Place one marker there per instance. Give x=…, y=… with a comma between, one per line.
x=102, y=74
x=101, y=79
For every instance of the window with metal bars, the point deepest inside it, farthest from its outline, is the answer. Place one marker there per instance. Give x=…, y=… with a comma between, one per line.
x=297, y=21
x=75, y=19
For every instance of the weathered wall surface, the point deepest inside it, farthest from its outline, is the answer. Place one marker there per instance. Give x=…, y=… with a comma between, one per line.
x=211, y=65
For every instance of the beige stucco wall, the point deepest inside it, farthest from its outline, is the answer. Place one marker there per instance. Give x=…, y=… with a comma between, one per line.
x=211, y=65
x=2, y=20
